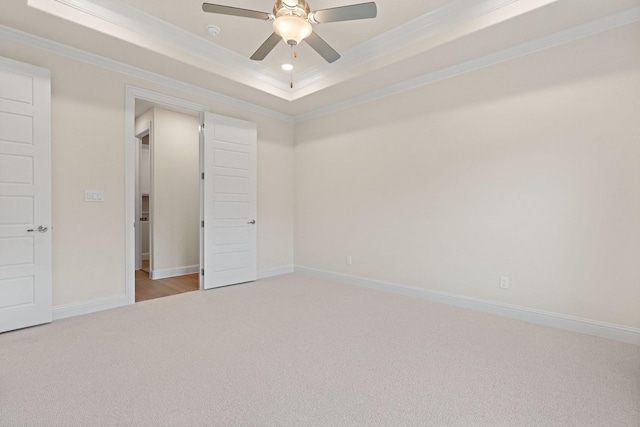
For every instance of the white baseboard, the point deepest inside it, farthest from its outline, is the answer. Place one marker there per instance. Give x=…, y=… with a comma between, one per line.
x=93, y=306
x=173, y=272
x=586, y=326
x=145, y=256
x=271, y=272
x=70, y=310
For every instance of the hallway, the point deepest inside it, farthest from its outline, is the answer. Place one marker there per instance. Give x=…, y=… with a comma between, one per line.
x=147, y=288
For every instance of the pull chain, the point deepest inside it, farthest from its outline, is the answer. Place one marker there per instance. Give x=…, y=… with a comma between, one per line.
x=294, y=55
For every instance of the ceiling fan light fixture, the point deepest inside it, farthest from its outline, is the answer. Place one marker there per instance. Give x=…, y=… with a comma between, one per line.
x=293, y=29
x=293, y=20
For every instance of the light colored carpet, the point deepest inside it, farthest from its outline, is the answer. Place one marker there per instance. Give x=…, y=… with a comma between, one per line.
x=299, y=351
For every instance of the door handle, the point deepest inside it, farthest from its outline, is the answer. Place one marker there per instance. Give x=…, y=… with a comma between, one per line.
x=253, y=221
x=41, y=229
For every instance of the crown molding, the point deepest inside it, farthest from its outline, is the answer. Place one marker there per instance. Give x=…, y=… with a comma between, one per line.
x=610, y=22
x=607, y=23
x=172, y=40
x=419, y=29
x=168, y=39
x=18, y=36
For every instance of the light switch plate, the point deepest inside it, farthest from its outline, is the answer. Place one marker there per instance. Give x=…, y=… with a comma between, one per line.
x=94, y=195
x=504, y=282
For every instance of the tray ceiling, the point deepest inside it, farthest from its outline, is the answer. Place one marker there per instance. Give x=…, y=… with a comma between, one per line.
x=406, y=42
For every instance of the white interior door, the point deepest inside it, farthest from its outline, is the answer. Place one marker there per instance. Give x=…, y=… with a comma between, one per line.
x=25, y=195
x=229, y=201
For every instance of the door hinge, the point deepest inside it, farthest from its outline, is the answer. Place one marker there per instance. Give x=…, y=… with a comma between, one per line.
x=202, y=223
x=202, y=175
x=202, y=126
x=202, y=271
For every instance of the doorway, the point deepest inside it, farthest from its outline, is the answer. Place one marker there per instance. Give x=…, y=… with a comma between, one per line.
x=143, y=194
x=145, y=287
x=167, y=199
x=227, y=202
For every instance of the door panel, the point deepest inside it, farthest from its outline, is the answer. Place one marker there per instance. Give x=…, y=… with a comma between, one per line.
x=16, y=86
x=230, y=184
x=16, y=169
x=229, y=201
x=17, y=292
x=16, y=128
x=16, y=210
x=17, y=251
x=25, y=195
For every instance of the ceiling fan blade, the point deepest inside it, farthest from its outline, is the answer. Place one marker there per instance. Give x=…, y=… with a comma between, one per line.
x=346, y=13
x=322, y=47
x=234, y=11
x=266, y=47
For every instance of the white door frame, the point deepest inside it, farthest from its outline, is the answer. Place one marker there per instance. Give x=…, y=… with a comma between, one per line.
x=133, y=93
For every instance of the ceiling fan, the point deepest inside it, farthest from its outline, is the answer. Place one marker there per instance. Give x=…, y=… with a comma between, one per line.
x=292, y=22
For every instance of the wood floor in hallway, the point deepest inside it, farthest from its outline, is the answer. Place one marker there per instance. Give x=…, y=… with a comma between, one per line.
x=147, y=288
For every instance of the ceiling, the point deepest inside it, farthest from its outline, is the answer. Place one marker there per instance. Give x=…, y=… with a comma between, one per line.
x=411, y=42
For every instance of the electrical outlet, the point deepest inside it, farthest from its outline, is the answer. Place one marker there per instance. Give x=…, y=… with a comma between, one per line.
x=349, y=260
x=504, y=282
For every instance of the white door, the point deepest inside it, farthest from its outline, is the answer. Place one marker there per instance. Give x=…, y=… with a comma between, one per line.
x=25, y=195
x=229, y=201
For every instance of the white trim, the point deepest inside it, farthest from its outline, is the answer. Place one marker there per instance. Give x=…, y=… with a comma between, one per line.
x=581, y=31
x=174, y=272
x=158, y=34
x=126, y=22
x=557, y=320
x=70, y=310
x=143, y=131
x=18, y=36
x=277, y=271
x=169, y=101
x=113, y=16
x=429, y=25
x=607, y=23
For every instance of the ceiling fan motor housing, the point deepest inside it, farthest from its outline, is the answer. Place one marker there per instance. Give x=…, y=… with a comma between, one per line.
x=291, y=7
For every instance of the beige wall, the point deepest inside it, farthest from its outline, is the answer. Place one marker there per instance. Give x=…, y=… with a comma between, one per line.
x=88, y=152
x=175, y=198
x=529, y=169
